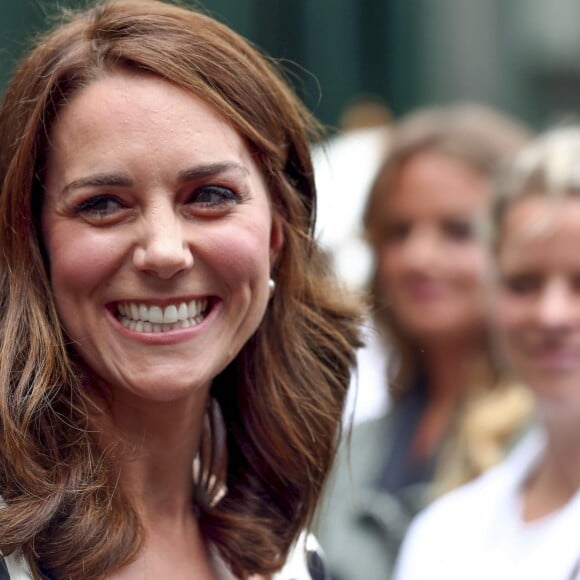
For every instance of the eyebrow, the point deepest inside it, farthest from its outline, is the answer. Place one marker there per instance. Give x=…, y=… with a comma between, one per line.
x=98, y=180
x=211, y=170
x=120, y=180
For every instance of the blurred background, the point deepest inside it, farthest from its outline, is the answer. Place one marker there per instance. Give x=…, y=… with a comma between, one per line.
x=521, y=55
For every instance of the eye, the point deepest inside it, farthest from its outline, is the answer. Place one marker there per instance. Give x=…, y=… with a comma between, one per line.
x=522, y=284
x=99, y=207
x=458, y=229
x=396, y=231
x=214, y=197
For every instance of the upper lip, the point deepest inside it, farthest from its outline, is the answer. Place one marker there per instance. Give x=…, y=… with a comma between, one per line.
x=162, y=301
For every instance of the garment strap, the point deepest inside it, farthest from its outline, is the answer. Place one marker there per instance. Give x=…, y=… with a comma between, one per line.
x=3, y=570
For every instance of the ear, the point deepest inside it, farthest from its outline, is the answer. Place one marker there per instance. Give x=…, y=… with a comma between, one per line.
x=276, y=238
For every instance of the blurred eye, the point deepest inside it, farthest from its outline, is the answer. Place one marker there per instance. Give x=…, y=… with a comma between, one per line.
x=458, y=229
x=396, y=231
x=99, y=207
x=522, y=283
x=214, y=197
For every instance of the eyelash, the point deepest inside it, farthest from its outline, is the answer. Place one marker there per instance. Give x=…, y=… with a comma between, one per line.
x=93, y=206
x=98, y=206
x=227, y=196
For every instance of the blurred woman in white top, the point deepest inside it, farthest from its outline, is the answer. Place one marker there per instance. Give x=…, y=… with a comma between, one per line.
x=521, y=520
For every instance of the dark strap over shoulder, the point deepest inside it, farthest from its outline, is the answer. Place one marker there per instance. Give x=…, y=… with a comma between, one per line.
x=3, y=570
x=316, y=564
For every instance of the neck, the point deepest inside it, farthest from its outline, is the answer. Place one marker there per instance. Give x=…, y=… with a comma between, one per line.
x=557, y=477
x=562, y=453
x=159, y=443
x=449, y=368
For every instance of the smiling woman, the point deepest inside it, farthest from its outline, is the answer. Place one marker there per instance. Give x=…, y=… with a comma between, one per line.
x=520, y=519
x=158, y=203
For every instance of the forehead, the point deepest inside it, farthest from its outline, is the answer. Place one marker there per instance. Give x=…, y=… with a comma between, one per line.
x=538, y=229
x=149, y=109
x=144, y=128
x=433, y=182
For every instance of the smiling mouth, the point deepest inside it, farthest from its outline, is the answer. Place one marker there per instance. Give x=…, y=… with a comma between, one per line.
x=155, y=319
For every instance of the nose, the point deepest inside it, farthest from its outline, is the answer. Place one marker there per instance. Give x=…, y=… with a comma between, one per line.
x=555, y=307
x=163, y=249
x=420, y=249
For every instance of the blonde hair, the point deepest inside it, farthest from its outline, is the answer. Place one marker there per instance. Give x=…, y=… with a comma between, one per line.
x=548, y=166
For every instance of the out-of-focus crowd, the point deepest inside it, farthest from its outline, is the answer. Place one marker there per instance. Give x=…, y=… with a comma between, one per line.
x=461, y=438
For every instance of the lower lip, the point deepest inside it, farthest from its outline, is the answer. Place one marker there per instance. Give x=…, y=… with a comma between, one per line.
x=169, y=336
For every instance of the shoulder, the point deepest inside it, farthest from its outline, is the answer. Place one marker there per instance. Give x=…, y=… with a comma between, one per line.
x=462, y=520
x=444, y=531
x=305, y=561
x=481, y=496
x=365, y=445
x=14, y=568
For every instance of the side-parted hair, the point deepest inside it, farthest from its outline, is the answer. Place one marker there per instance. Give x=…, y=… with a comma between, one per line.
x=548, y=166
x=475, y=135
x=283, y=395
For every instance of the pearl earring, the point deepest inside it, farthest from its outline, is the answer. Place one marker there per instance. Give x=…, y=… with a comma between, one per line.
x=271, y=286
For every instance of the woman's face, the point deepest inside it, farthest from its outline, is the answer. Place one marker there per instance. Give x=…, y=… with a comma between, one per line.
x=430, y=264
x=539, y=297
x=159, y=233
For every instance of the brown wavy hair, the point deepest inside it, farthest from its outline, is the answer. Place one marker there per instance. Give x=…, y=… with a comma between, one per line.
x=282, y=396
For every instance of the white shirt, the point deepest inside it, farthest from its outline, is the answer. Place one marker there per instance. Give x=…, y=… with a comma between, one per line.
x=477, y=532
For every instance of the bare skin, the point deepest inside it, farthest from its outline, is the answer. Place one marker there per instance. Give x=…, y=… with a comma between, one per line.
x=557, y=478
x=159, y=482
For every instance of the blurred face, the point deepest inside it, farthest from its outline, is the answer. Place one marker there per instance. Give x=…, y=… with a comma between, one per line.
x=539, y=297
x=159, y=234
x=430, y=264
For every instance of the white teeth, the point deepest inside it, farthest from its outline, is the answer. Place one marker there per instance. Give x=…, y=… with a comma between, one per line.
x=170, y=315
x=155, y=315
x=182, y=313
x=142, y=318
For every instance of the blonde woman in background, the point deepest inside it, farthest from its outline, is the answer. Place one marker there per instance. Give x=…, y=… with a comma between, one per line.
x=428, y=296
x=521, y=519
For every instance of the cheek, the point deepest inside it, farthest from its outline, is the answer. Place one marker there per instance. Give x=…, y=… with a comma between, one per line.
x=390, y=263
x=511, y=316
x=240, y=253
x=80, y=261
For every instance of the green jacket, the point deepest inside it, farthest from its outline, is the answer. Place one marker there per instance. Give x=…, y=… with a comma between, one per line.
x=360, y=526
